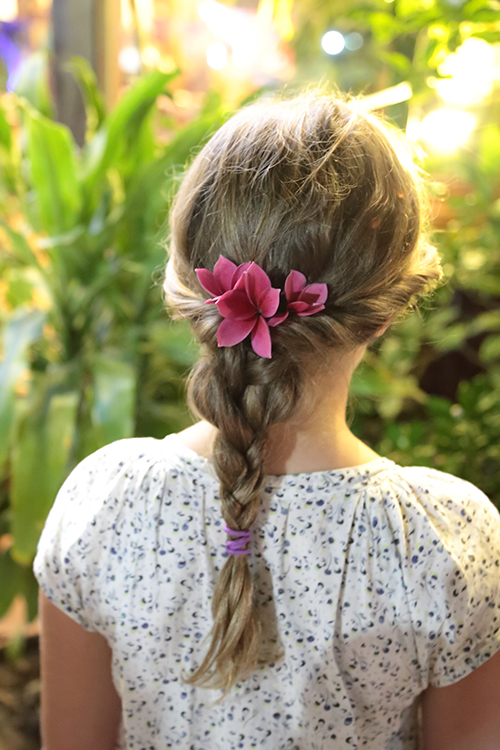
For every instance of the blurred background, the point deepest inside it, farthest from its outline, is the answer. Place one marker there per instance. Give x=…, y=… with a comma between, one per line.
x=102, y=104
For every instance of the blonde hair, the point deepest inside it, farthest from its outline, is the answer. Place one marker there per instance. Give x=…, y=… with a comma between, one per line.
x=312, y=184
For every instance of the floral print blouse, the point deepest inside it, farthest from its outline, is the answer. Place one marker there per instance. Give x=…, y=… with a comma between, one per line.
x=375, y=581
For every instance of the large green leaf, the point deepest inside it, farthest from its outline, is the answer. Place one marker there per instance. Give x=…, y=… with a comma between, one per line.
x=113, y=401
x=151, y=188
x=21, y=248
x=407, y=8
x=92, y=97
x=33, y=83
x=56, y=193
x=121, y=127
x=40, y=456
x=11, y=583
x=5, y=135
x=19, y=333
x=489, y=150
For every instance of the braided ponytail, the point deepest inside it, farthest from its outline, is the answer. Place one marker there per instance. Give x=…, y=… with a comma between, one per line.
x=242, y=399
x=313, y=185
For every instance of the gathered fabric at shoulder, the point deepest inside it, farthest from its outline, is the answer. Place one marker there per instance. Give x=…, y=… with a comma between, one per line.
x=78, y=534
x=453, y=583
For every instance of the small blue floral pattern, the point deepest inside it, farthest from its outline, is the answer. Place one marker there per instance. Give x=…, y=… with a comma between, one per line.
x=375, y=581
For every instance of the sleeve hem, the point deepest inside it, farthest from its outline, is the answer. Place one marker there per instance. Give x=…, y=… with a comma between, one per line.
x=472, y=663
x=71, y=613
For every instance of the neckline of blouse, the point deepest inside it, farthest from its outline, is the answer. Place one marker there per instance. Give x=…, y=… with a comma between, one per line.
x=362, y=471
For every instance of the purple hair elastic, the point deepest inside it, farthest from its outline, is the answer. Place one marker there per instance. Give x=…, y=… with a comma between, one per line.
x=234, y=547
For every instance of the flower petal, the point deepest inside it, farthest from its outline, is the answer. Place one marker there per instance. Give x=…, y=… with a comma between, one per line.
x=261, y=339
x=304, y=296
x=224, y=271
x=295, y=282
x=256, y=283
x=269, y=302
x=298, y=306
x=240, y=271
x=209, y=282
x=320, y=291
x=311, y=309
x=236, y=305
x=231, y=332
x=277, y=319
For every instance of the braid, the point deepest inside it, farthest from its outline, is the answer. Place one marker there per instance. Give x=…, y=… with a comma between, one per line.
x=242, y=399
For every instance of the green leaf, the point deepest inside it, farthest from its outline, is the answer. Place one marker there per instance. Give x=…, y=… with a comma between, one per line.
x=33, y=83
x=487, y=321
x=489, y=149
x=408, y=8
x=396, y=60
x=94, y=102
x=20, y=285
x=482, y=11
x=385, y=27
x=5, y=134
x=491, y=36
x=21, y=248
x=29, y=589
x=40, y=458
x=10, y=578
x=56, y=193
x=151, y=187
x=193, y=135
x=175, y=341
x=122, y=125
x=490, y=349
x=452, y=337
x=113, y=402
x=19, y=333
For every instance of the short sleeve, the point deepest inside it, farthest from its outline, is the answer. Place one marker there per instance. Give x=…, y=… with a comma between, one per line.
x=461, y=577
x=70, y=560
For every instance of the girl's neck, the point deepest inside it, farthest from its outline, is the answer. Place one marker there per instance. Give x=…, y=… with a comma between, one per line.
x=317, y=439
x=324, y=447
x=292, y=450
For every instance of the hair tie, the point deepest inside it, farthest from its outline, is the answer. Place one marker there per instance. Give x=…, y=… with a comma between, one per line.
x=234, y=547
x=248, y=303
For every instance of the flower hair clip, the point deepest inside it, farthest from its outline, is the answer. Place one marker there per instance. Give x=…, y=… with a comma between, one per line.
x=248, y=303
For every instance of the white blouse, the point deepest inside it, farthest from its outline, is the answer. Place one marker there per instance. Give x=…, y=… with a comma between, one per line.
x=376, y=581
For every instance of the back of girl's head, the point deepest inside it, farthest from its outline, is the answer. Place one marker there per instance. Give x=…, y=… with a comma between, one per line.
x=310, y=184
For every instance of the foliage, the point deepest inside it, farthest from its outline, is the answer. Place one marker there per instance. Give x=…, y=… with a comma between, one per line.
x=88, y=354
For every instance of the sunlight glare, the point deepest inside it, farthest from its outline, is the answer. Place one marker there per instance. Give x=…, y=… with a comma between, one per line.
x=446, y=130
x=216, y=55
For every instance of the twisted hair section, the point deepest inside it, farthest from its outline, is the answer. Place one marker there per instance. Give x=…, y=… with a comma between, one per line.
x=315, y=185
x=242, y=399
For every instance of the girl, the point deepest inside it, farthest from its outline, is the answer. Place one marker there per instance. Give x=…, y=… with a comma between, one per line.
x=264, y=579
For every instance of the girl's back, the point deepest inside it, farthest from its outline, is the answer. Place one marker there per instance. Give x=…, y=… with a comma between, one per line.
x=349, y=586
x=376, y=580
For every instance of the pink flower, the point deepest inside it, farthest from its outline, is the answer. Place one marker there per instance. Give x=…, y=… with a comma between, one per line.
x=248, y=303
x=222, y=279
x=245, y=309
x=304, y=298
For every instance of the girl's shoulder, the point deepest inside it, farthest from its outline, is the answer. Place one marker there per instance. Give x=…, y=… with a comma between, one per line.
x=441, y=504
x=437, y=491
x=134, y=457
x=105, y=506
x=124, y=476
x=448, y=534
